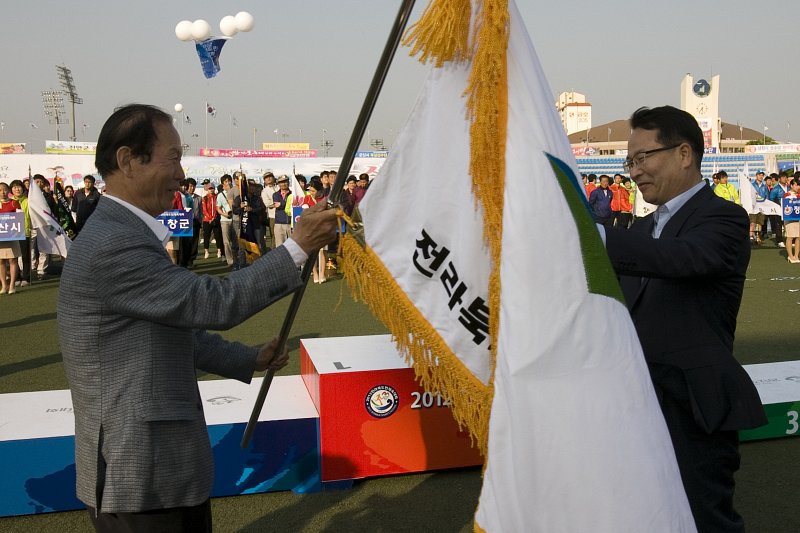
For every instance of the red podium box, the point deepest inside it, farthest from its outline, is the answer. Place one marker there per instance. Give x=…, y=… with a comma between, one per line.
x=374, y=418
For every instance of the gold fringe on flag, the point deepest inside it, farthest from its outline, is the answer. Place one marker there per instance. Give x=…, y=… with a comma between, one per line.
x=436, y=367
x=442, y=34
x=487, y=109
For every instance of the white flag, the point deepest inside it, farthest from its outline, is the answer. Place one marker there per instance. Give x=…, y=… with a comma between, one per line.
x=748, y=197
x=576, y=439
x=51, y=238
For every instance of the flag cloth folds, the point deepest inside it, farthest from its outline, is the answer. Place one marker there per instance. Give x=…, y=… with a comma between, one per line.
x=247, y=232
x=209, y=51
x=748, y=197
x=295, y=203
x=51, y=237
x=62, y=210
x=495, y=283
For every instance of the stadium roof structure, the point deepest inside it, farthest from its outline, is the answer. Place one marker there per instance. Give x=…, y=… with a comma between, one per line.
x=620, y=131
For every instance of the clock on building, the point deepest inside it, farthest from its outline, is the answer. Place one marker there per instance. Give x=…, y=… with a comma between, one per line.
x=702, y=109
x=702, y=88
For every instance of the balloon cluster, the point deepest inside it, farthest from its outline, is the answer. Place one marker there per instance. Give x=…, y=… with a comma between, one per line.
x=200, y=30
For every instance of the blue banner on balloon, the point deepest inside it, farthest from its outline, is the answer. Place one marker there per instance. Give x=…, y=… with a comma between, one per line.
x=208, y=52
x=177, y=221
x=791, y=209
x=12, y=226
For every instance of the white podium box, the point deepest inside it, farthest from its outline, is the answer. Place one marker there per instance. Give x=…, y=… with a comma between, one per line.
x=37, y=454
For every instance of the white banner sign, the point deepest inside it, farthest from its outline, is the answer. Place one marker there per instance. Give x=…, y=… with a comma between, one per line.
x=69, y=147
x=72, y=168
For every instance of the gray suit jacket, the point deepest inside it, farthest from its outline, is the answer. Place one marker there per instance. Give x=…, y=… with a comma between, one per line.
x=131, y=340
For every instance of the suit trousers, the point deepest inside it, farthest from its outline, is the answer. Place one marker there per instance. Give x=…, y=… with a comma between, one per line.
x=271, y=243
x=282, y=233
x=25, y=259
x=39, y=260
x=187, y=253
x=230, y=239
x=175, y=520
x=777, y=227
x=707, y=462
x=214, y=228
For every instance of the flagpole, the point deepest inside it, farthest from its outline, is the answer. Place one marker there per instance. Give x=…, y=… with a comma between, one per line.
x=395, y=36
x=336, y=189
x=30, y=262
x=206, y=113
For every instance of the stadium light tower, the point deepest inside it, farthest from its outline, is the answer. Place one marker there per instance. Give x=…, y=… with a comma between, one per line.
x=65, y=75
x=326, y=144
x=53, y=103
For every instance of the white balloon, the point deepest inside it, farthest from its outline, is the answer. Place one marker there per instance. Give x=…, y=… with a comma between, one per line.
x=244, y=21
x=201, y=30
x=228, y=26
x=183, y=30
x=178, y=108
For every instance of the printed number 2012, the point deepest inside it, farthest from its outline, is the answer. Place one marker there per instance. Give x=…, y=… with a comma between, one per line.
x=426, y=399
x=793, y=425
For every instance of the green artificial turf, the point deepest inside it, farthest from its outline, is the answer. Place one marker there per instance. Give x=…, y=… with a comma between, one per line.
x=768, y=481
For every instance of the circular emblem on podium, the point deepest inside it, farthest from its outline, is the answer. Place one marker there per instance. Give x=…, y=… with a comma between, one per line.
x=787, y=210
x=702, y=88
x=381, y=401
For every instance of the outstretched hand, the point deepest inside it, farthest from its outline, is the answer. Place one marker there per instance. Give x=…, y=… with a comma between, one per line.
x=268, y=358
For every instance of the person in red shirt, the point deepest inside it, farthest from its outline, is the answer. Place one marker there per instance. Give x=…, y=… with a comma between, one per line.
x=316, y=194
x=211, y=219
x=615, y=195
x=620, y=202
x=590, y=186
x=9, y=250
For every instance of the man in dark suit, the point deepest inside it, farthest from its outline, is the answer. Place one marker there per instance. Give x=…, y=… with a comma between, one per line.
x=142, y=452
x=682, y=270
x=85, y=201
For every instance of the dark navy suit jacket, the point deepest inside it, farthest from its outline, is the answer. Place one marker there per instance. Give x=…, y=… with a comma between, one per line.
x=683, y=291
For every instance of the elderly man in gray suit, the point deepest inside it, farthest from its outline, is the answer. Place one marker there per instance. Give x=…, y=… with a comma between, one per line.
x=143, y=455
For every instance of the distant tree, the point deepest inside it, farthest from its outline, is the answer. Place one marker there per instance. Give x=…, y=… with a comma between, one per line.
x=760, y=140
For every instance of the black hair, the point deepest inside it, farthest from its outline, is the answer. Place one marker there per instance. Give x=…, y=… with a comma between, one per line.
x=190, y=181
x=674, y=127
x=133, y=126
x=90, y=177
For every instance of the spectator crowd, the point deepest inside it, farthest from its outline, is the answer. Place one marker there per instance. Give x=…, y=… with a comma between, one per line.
x=217, y=213
x=613, y=203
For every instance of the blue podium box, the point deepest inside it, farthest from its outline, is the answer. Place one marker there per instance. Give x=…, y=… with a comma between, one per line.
x=37, y=444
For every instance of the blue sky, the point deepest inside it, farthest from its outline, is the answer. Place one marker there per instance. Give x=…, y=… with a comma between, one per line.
x=306, y=65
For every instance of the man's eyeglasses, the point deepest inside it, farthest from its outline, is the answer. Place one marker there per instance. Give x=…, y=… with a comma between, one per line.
x=638, y=159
